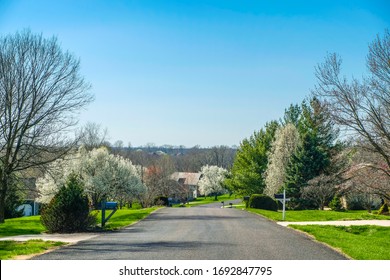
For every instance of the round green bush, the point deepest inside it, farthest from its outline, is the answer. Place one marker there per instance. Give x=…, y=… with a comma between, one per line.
x=261, y=201
x=336, y=204
x=68, y=211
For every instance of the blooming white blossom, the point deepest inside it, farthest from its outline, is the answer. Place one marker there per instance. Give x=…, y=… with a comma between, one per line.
x=286, y=142
x=212, y=179
x=103, y=174
x=55, y=177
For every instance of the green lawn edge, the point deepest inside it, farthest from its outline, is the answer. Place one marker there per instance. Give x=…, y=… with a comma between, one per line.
x=357, y=242
x=10, y=249
x=317, y=215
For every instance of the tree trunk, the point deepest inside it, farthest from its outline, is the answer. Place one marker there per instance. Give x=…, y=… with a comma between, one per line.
x=3, y=191
x=2, y=207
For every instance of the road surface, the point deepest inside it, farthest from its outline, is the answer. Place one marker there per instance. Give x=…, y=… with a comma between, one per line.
x=207, y=232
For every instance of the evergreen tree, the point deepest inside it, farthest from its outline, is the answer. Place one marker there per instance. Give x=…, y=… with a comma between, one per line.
x=291, y=115
x=313, y=155
x=247, y=174
x=68, y=211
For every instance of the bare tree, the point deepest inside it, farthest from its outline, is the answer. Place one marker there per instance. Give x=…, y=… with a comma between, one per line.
x=320, y=190
x=221, y=156
x=361, y=107
x=41, y=90
x=363, y=176
x=93, y=136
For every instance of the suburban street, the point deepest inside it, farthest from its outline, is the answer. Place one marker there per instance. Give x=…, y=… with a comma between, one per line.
x=206, y=232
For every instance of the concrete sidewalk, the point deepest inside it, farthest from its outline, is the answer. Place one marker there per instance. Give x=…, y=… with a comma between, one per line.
x=383, y=223
x=68, y=238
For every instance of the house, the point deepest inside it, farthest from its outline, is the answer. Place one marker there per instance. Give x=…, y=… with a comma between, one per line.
x=188, y=183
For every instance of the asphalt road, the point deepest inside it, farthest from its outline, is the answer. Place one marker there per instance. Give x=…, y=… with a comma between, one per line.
x=199, y=233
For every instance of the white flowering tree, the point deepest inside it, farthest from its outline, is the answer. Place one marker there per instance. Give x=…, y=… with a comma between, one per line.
x=105, y=176
x=54, y=178
x=212, y=180
x=126, y=181
x=285, y=143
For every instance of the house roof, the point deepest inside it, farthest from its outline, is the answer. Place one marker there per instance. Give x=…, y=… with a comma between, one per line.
x=187, y=177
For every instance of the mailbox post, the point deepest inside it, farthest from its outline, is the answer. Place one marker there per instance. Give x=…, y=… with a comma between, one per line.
x=282, y=198
x=110, y=205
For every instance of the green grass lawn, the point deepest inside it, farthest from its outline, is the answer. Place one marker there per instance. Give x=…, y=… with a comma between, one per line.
x=318, y=215
x=125, y=217
x=358, y=242
x=21, y=226
x=12, y=249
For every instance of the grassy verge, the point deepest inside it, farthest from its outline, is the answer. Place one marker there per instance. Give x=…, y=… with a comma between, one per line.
x=208, y=200
x=318, y=215
x=11, y=249
x=358, y=242
x=125, y=217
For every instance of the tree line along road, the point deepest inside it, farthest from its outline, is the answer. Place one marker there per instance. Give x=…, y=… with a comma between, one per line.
x=207, y=232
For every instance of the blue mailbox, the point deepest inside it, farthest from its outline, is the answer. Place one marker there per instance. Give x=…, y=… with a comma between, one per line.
x=108, y=205
x=111, y=205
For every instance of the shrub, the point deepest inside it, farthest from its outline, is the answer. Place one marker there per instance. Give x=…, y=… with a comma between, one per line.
x=13, y=200
x=161, y=200
x=336, y=204
x=261, y=201
x=68, y=211
x=354, y=204
x=384, y=210
x=11, y=204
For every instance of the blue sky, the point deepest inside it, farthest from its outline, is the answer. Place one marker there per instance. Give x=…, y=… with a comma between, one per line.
x=199, y=72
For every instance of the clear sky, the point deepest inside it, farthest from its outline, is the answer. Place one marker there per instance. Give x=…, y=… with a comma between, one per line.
x=199, y=72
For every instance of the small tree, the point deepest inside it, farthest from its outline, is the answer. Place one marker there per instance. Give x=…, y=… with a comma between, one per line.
x=285, y=143
x=68, y=211
x=212, y=180
x=320, y=190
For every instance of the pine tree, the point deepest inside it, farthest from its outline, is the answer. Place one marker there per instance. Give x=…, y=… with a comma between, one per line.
x=313, y=156
x=68, y=211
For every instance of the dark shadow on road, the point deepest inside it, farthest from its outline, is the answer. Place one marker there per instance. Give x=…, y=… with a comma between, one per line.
x=116, y=250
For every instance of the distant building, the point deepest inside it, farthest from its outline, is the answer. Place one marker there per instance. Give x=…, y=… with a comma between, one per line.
x=188, y=182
